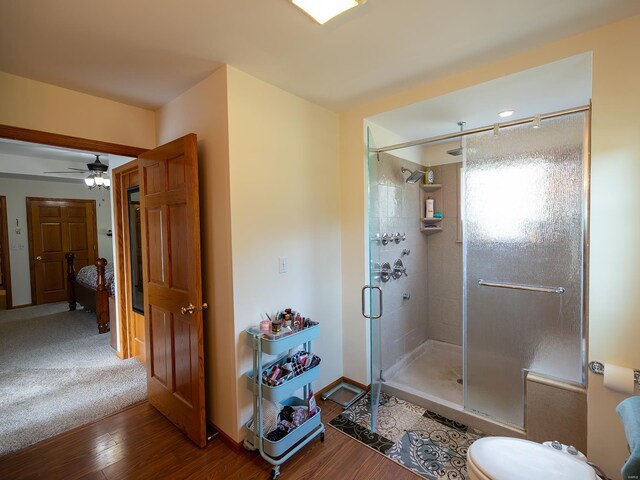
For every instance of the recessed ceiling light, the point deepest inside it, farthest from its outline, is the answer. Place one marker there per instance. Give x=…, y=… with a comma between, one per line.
x=506, y=113
x=324, y=10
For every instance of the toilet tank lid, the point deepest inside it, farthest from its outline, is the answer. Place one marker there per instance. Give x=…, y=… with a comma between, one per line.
x=504, y=458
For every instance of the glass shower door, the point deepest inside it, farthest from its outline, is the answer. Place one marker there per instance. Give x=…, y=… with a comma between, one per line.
x=374, y=295
x=523, y=261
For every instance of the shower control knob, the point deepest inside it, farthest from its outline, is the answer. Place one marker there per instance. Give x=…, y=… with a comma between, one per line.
x=399, y=269
x=385, y=272
x=572, y=450
x=406, y=251
x=397, y=237
x=406, y=296
x=386, y=238
x=404, y=236
x=556, y=444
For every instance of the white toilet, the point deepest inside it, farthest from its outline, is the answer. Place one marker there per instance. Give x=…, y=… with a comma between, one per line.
x=504, y=458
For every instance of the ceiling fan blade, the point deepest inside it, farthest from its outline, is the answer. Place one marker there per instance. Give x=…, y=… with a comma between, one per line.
x=69, y=173
x=83, y=170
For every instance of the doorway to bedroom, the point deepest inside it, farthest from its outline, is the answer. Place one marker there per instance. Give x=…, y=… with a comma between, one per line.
x=58, y=369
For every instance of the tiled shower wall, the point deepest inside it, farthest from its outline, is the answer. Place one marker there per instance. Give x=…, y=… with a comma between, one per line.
x=404, y=324
x=444, y=258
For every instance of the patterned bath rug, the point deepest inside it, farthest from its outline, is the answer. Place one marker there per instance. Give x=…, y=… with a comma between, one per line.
x=429, y=444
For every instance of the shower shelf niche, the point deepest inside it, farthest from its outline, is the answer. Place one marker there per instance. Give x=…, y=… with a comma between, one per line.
x=430, y=187
x=430, y=230
x=430, y=225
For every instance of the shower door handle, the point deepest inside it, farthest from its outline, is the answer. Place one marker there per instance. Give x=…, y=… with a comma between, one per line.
x=371, y=317
x=519, y=286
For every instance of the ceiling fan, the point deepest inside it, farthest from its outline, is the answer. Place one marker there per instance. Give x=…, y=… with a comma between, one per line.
x=95, y=167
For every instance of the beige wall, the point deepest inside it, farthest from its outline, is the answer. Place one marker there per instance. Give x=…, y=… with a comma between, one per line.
x=285, y=198
x=269, y=188
x=17, y=190
x=203, y=110
x=444, y=261
x=39, y=106
x=614, y=276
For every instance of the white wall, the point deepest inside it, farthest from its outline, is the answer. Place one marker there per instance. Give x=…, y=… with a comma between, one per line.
x=285, y=202
x=16, y=190
x=383, y=137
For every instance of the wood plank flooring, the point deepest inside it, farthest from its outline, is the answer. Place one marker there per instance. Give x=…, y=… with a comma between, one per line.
x=139, y=443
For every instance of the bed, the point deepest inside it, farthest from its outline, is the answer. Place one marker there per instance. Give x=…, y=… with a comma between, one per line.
x=91, y=287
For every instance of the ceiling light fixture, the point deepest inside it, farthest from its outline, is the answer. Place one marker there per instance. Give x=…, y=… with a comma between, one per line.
x=98, y=180
x=324, y=10
x=506, y=113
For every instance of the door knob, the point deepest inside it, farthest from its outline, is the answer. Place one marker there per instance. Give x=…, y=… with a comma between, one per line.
x=193, y=308
x=38, y=257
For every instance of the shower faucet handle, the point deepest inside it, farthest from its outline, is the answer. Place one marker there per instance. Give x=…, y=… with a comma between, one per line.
x=399, y=269
x=397, y=237
x=406, y=251
x=386, y=238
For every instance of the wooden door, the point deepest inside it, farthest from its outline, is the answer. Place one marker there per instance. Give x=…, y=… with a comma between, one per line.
x=128, y=260
x=170, y=219
x=58, y=226
x=5, y=266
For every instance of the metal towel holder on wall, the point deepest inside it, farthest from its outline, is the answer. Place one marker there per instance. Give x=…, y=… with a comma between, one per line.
x=598, y=369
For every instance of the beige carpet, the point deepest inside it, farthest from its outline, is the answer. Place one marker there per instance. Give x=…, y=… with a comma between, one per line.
x=57, y=373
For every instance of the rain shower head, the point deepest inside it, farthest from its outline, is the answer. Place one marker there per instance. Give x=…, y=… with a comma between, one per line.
x=415, y=176
x=456, y=152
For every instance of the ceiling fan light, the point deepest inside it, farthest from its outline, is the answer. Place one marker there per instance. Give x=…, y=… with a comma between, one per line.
x=324, y=10
x=99, y=180
x=89, y=181
x=107, y=182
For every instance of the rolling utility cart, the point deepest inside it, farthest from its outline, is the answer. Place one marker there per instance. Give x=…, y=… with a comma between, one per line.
x=278, y=452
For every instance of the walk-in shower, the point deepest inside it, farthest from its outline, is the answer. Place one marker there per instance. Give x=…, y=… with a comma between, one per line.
x=505, y=254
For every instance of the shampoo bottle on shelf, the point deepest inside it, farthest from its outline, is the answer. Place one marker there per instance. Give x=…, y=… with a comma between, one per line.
x=428, y=178
x=429, y=207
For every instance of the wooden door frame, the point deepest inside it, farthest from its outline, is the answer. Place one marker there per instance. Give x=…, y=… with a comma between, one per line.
x=32, y=265
x=6, y=254
x=67, y=141
x=121, y=234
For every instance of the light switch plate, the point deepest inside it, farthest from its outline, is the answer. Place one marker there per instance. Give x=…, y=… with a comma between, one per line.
x=282, y=264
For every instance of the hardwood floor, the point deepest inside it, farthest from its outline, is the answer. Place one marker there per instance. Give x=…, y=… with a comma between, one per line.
x=139, y=443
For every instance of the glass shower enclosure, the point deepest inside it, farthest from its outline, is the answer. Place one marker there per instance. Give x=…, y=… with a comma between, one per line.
x=524, y=208
x=523, y=258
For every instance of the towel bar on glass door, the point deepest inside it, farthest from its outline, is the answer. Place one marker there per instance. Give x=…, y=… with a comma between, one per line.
x=598, y=369
x=517, y=286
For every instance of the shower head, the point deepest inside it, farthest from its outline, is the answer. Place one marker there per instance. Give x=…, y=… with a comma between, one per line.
x=415, y=176
x=456, y=152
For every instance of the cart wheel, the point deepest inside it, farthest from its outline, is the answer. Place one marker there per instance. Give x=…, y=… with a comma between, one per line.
x=275, y=473
x=322, y=437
